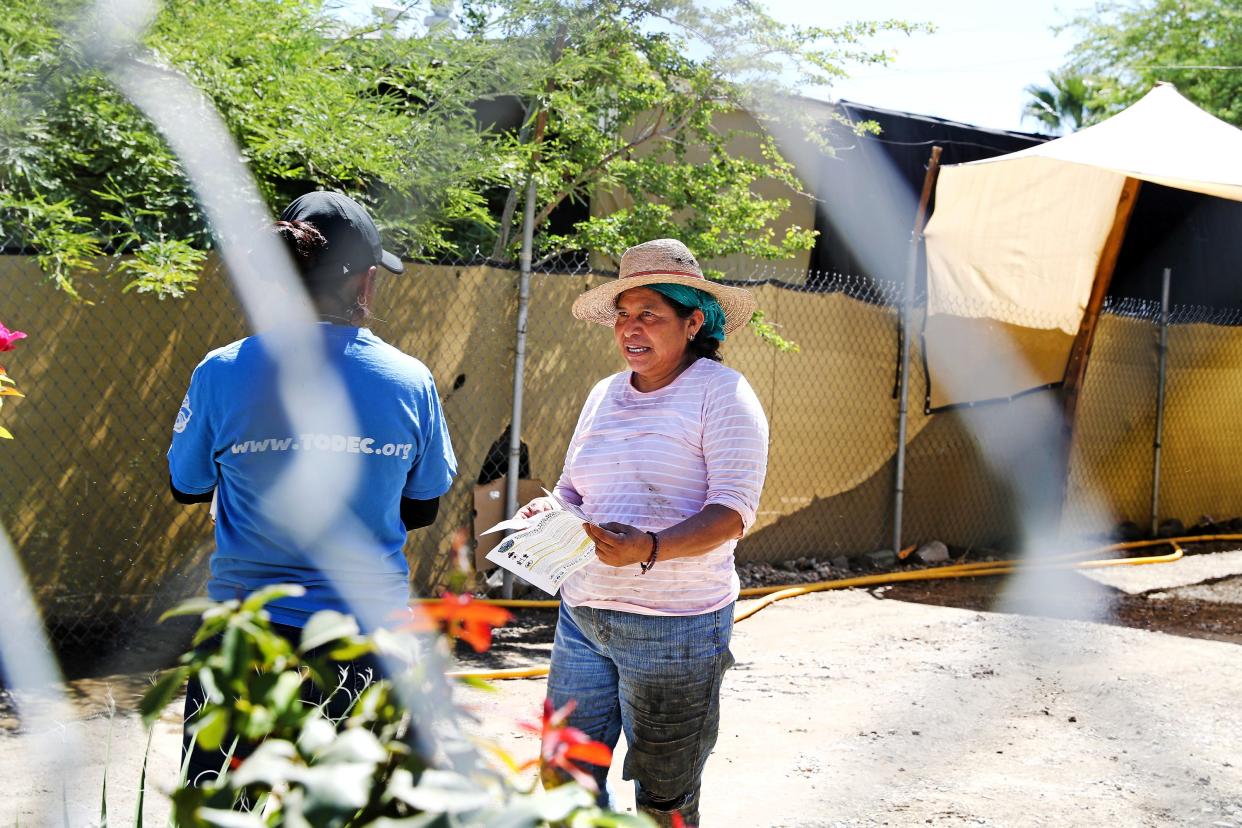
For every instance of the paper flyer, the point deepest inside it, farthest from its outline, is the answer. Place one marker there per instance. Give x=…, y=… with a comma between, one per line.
x=548, y=548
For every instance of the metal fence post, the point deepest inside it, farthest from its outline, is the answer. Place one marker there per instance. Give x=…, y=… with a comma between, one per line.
x=519, y=367
x=903, y=384
x=1161, y=374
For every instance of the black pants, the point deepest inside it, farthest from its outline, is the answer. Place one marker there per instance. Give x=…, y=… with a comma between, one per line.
x=204, y=765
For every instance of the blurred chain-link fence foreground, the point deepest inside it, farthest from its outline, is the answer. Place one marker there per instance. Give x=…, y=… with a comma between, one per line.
x=84, y=492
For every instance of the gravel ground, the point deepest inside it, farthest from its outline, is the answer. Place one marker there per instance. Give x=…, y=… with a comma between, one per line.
x=849, y=708
x=1193, y=569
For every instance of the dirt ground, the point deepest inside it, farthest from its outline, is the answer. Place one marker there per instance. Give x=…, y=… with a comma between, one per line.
x=920, y=704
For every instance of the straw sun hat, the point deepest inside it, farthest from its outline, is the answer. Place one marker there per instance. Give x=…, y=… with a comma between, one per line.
x=665, y=261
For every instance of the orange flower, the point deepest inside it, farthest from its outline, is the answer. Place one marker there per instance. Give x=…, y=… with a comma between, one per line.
x=461, y=616
x=562, y=746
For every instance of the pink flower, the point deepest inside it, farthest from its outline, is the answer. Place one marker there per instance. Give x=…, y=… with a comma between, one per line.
x=8, y=339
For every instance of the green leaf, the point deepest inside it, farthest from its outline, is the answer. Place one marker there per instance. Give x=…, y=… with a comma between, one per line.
x=161, y=694
x=401, y=646
x=352, y=650
x=226, y=763
x=274, y=648
x=326, y=626
x=187, y=800
x=214, y=621
x=478, y=684
x=211, y=727
x=207, y=678
x=286, y=692
x=565, y=805
x=258, y=723
x=316, y=734
x=222, y=818
x=337, y=787
x=103, y=796
x=502, y=756
x=439, y=791
x=604, y=819
x=420, y=821
x=184, y=772
x=236, y=654
x=271, y=764
x=191, y=606
x=257, y=600
x=353, y=745
x=142, y=780
x=557, y=804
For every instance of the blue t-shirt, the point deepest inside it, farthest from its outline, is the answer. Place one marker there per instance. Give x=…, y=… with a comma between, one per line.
x=232, y=435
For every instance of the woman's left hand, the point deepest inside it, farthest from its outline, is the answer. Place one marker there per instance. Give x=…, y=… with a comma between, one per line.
x=617, y=544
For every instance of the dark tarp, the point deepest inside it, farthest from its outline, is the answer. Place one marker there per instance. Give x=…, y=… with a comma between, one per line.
x=859, y=182
x=1199, y=236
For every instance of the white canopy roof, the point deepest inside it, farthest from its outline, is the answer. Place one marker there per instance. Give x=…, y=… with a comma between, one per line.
x=1017, y=238
x=1163, y=138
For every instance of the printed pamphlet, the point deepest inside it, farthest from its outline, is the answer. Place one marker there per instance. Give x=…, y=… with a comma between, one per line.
x=546, y=548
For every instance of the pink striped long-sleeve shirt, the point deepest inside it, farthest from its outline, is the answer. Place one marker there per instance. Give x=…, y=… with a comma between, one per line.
x=653, y=459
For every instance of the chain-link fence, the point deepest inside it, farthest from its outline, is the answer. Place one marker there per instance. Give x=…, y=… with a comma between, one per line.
x=1112, y=464
x=85, y=486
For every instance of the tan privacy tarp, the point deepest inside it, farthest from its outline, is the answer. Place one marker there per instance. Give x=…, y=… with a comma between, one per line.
x=982, y=359
x=1017, y=238
x=1017, y=247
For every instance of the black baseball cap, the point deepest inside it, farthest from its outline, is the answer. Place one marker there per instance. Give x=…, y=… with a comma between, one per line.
x=353, y=240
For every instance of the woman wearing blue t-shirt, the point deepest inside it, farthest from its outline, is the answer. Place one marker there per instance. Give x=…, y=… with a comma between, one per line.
x=233, y=441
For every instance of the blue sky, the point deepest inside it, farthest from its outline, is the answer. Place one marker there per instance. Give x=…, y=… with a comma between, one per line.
x=973, y=69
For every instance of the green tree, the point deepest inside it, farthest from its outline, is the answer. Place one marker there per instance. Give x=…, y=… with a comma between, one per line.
x=1062, y=105
x=1125, y=49
x=629, y=97
x=618, y=96
x=309, y=103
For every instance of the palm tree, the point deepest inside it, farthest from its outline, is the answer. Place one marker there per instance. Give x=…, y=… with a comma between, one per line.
x=1062, y=106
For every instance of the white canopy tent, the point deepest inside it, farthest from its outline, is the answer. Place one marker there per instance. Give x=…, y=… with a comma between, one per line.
x=1019, y=244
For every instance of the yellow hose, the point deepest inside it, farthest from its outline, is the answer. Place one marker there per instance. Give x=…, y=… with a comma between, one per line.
x=967, y=570
x=752, y=592
x=972, y=570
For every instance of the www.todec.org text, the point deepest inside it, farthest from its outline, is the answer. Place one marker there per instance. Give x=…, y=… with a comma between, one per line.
x=350, y=444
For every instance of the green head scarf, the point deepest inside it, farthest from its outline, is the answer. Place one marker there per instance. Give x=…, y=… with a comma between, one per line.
x=713, y=316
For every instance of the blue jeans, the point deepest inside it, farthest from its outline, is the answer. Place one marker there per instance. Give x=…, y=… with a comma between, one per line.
x=657, y=677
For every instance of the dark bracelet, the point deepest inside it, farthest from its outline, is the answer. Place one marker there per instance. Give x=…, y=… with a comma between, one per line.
x=655, y=550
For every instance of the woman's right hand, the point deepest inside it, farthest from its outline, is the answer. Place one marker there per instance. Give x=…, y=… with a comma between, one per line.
x=539, y=504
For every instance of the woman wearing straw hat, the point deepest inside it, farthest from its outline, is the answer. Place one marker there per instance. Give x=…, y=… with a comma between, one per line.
x=668, y=459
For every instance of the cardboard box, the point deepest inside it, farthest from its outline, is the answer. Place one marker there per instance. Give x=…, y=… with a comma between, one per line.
x=489, y=509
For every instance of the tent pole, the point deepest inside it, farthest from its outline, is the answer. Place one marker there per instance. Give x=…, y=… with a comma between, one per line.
x=1080, y=351
x=903, y=385
x=1162, y=375
x=519, y=367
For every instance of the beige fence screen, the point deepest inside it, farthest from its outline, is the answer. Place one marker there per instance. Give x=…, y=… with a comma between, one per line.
x=84, y=491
